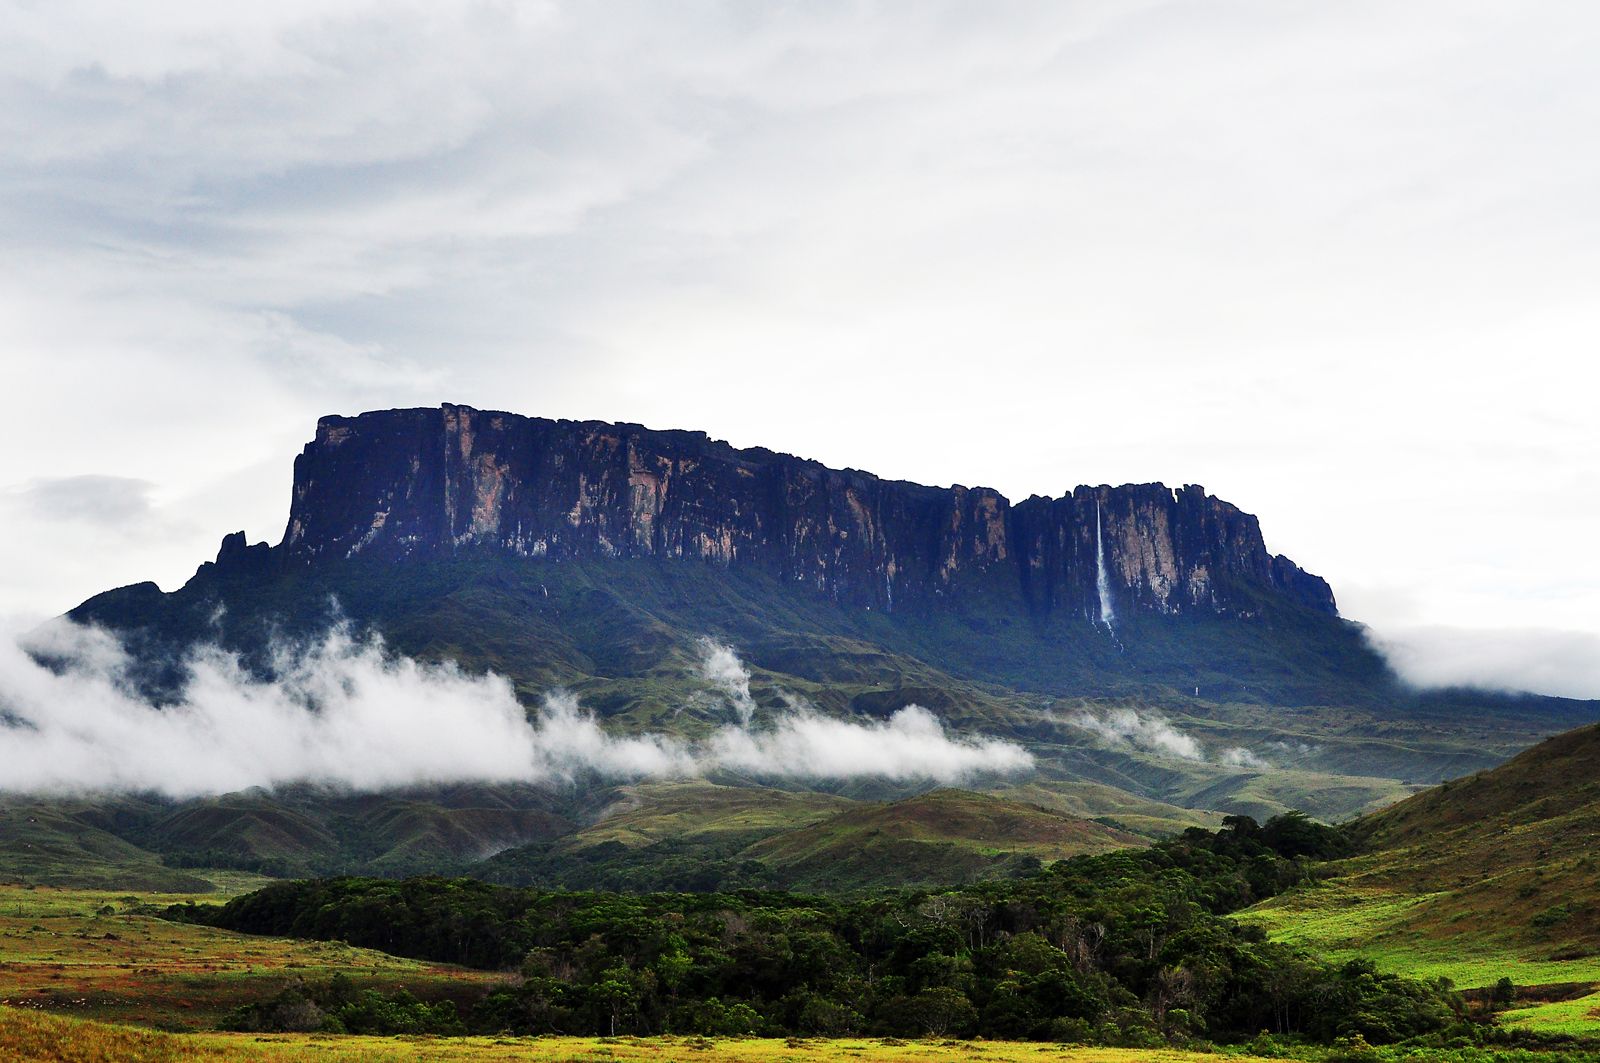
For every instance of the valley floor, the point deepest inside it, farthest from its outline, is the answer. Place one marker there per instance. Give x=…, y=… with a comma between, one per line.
x=76, y=965
x=25, y=1036
x=98, y=954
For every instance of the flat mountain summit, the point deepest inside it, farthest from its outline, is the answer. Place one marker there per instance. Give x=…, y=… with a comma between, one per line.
x=403, y=484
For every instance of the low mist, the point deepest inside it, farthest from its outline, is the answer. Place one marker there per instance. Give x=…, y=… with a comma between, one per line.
x=1153, y=733
x=342, y=711
x=1540, y=661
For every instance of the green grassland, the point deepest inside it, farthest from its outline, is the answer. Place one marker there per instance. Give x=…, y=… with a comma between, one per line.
x=698, y=836
x=646, y=813
x=1395, y=929
x=32, y=1036
x=60, y=843
x=1488, y=877
x=920, y=840
x=101, y=954
x=1579, y=1017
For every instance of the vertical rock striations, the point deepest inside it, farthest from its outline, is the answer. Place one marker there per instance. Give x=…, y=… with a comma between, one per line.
x=399, y=484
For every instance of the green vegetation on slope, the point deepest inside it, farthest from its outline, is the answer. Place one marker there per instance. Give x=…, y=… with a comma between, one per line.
x=1496, y=875
x=30, y=1036
x=1299, y=689
x=920, y=841
x=59, y=843
x=104, y=954
x=699, y=837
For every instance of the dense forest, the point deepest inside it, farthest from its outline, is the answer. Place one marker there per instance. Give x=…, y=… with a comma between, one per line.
x=1125, y=948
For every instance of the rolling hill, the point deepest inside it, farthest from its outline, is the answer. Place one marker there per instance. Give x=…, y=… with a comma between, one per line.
x=1489, y=876
x=924, y=840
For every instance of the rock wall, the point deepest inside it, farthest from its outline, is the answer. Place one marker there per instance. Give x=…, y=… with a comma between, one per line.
x=399, y=484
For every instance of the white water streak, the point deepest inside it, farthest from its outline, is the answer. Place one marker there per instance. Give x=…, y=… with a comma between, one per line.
x=1108, y=615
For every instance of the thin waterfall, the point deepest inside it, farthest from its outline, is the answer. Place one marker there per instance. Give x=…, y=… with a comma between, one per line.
x=1102, y=582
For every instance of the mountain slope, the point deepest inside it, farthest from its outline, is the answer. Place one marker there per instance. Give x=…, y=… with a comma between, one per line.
x=919, y=841
x=72, y=843
x=697, y=835
x=1157, y=660
x=1493, y=875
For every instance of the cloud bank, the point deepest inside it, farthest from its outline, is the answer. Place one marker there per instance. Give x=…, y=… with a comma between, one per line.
x=1560, y=663
x=341, y=711
x=803, y=743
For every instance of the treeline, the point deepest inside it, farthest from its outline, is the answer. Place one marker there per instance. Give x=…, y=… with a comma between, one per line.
x=337, y=1005
x=1128, y=948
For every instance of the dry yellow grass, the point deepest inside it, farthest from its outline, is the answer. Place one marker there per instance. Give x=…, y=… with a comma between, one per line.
x=27, y=1036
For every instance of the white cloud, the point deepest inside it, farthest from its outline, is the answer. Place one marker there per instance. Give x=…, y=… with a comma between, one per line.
x=720, y=666
x=340, y=711
x=1240, y=757
x=1146, y=730
x=1559, y=663
x=910, y=744
x=1154, y=733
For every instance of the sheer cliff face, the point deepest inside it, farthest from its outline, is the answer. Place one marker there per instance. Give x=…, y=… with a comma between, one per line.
x=423, y=483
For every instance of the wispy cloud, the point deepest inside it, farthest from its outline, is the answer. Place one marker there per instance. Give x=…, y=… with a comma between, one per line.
x=1146, y=730
x=797, y=741
x=1241, y=757
x=720, y=666
x=1152, y=732
x=89, y=498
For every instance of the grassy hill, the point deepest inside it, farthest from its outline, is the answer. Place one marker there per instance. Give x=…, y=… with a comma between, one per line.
x=923, y=840
x=647, y=813
x=1493, y=875
x=702, y=836
x=693, y=835
x=101, y=954
x=144, y=842
x=59, y=844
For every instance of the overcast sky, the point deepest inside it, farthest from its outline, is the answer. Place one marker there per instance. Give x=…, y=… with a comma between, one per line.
x=1337, y=262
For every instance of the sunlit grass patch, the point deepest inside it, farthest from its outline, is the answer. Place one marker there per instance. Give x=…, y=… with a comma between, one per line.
x=34, y=1036
x=1344, y=920
x=1580, y=1017
x=102, y=954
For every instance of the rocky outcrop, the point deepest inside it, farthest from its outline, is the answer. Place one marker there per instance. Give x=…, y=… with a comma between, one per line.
x=404, y=484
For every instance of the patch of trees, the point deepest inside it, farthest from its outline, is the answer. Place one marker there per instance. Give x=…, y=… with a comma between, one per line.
x=338, y=1006
x=1128, y=948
